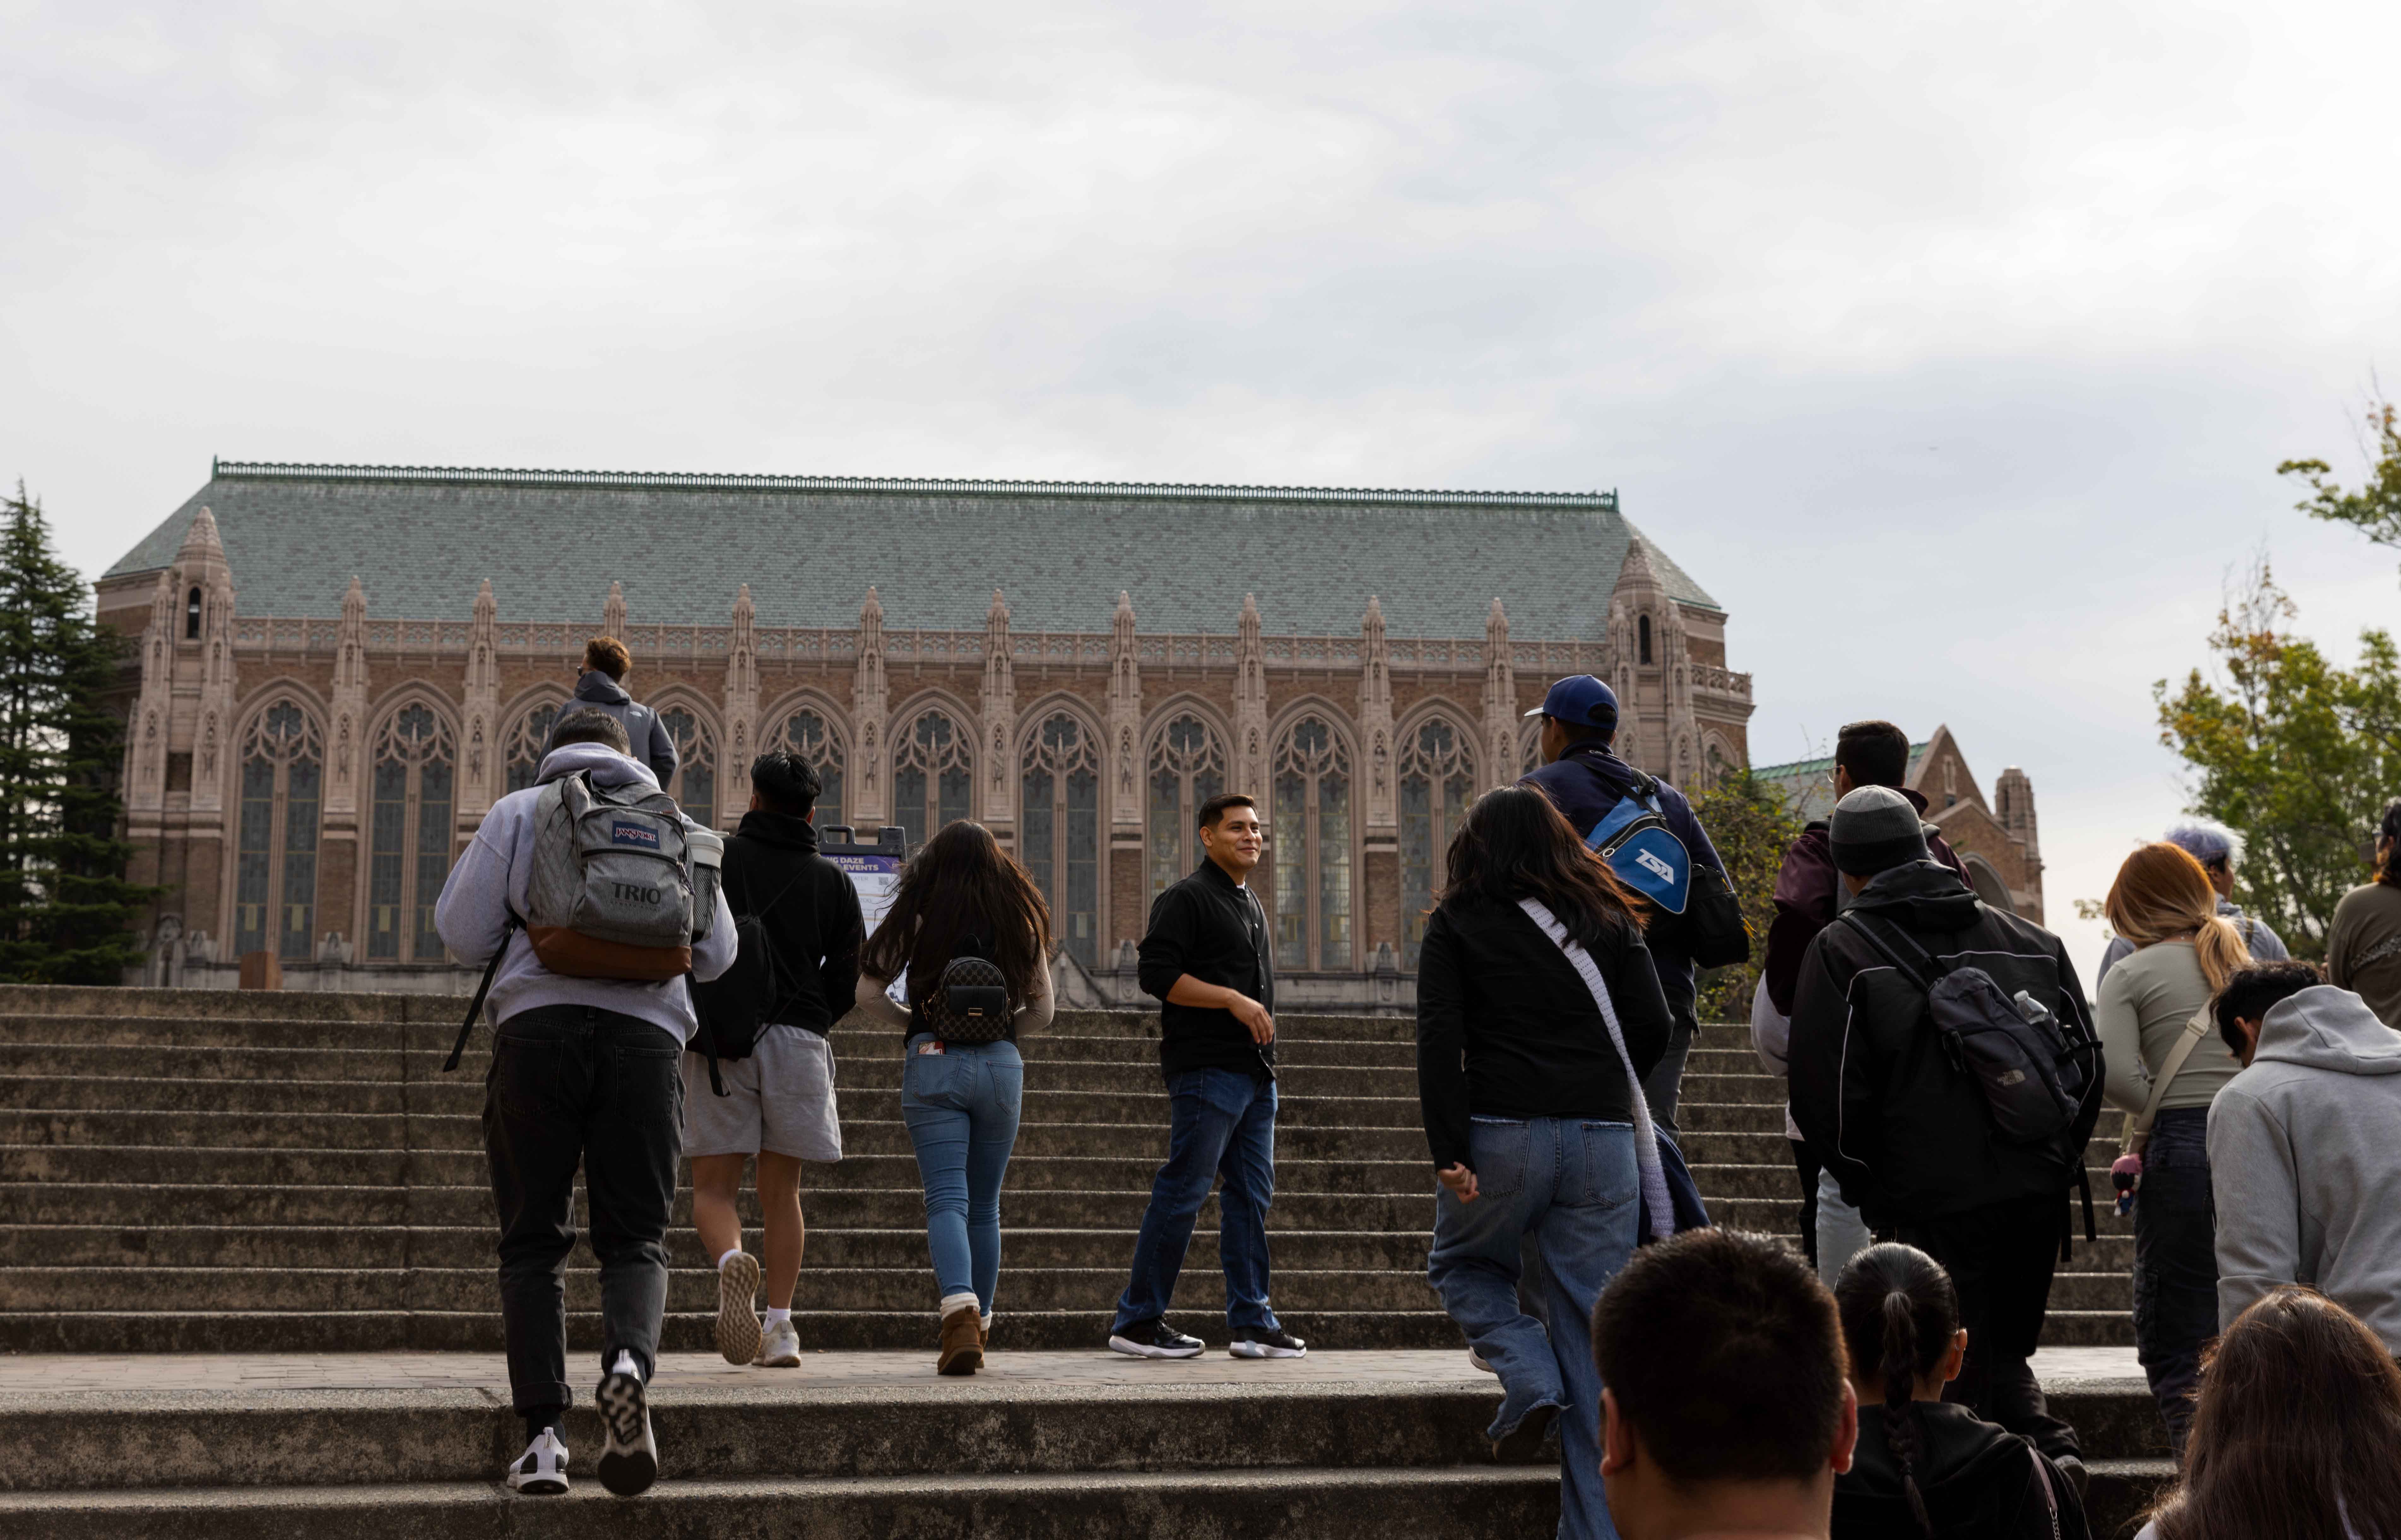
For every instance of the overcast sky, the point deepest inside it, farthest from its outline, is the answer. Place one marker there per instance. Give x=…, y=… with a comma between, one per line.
x=1952, y=346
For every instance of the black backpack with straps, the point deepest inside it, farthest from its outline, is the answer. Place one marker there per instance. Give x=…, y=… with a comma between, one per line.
x=736, y=1005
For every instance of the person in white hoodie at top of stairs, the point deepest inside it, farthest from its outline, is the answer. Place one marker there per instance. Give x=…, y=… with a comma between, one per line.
x=2305, y=1147
x=585, y=1071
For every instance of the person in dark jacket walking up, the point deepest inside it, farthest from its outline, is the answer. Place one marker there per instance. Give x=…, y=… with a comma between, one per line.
x=1584, y=780
x=1808, y=894
x=1208, y=959
x=778, y=1103
x=1531, y=1115
x=601, y=687
x=1909, y=1131
x=1924, y=1467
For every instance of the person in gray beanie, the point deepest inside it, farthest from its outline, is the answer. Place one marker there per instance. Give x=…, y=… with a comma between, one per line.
x=1906, y=1130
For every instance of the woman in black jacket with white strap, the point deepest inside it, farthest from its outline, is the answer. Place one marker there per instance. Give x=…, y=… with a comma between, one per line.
x=1531, y=1116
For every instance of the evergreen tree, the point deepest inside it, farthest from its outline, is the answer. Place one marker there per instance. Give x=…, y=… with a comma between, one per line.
x=66, y=911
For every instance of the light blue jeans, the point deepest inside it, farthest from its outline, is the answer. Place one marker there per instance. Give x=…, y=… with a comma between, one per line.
x=1571, y=1185
x=1842, y=1234
x=961, y=1106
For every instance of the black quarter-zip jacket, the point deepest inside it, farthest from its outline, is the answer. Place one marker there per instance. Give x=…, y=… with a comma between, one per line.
x=1213, y=929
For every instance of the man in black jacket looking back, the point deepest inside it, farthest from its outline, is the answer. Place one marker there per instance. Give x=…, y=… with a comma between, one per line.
x=1208, y=959
x=1909, y=1131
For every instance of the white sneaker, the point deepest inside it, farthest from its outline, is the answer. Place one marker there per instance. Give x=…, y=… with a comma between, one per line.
x=629, y=1458
x=542, y=1470
x=779, y=1346
x=738, y=1320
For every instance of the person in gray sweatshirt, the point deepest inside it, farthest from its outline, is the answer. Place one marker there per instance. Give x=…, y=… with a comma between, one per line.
x=584, y=1072
x=2305, y=1147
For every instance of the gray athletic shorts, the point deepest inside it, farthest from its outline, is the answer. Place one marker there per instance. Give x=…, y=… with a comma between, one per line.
x=780, y=1099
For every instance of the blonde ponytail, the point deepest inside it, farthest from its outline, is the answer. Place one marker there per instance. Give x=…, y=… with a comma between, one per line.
x=2220, y=948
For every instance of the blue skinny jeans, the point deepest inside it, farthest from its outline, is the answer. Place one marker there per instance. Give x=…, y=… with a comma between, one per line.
x=961, y=1106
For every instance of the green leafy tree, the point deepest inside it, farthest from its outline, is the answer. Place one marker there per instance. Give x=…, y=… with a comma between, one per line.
x=66, y=911
x=1751, y=828
x=2292, y=750
x=2375, y=509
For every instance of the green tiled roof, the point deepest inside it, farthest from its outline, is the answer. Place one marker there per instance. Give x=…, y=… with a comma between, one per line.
x=1808, y=786
x=423, y=540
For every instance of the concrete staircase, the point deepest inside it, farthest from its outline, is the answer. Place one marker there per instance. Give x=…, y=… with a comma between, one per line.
x=293, y=1173
x=204, y=1173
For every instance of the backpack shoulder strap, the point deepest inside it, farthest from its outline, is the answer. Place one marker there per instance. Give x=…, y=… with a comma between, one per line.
x=1897, y=948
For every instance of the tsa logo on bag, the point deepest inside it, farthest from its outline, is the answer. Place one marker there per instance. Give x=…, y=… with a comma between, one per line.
x=1633, y=837
x=641, y=836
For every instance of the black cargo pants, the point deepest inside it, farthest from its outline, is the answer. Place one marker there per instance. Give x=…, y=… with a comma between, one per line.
x=574, y=1085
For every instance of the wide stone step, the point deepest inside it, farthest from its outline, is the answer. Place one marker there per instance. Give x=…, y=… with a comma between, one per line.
x=399, y=1246
x=1284, y=1504
x=154, y=1329
x=134, y=1204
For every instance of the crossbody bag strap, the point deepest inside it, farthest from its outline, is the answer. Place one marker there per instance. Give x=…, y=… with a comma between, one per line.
x=1646, y=1136
x=2138, y=1127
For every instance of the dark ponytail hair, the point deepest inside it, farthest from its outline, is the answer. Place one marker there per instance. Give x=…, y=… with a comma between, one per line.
x=2389, y=828
x=1899, y=1313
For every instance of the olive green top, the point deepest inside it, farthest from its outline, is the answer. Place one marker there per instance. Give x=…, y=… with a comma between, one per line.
x=2363, y=948
x=2145, y=1003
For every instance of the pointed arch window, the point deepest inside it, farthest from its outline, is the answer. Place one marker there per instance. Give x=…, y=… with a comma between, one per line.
x=933, y=774
x=1643, y=637
x=1529, y=749
x=1311, y=812
x=1187, y=767
x=409, y=838
x=1437, y=781
x=808, y=739
x=525, y=740
x=695, y=777
x=1059, y=835
x=192, y=615
x=275, y=862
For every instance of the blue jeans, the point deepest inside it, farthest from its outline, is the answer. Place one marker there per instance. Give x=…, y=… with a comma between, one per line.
x=1221, y=1124
x=961, y=1106
x=2176, y=1264
x=1571, y=1185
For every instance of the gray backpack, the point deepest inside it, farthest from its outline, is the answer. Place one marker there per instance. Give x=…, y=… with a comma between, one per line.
x=619, y=887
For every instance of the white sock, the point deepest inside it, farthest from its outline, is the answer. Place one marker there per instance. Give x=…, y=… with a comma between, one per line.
x=987, y=1321
x=729, y=1256
x=625, y=1365
x=961, y=1302
x=777, y=1317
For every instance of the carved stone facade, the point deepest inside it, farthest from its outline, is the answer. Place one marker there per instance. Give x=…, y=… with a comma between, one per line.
x=299, y=782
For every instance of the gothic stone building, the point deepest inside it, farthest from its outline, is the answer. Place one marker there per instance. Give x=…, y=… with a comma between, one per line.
x=340, y=668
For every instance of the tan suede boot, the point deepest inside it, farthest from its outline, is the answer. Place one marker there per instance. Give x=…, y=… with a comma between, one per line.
x=962, y=1341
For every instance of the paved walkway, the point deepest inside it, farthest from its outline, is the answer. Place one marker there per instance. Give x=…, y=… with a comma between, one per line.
x=30, y=1376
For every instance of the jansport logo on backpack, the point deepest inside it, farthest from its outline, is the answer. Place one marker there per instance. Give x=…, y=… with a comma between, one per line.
x=620, y=888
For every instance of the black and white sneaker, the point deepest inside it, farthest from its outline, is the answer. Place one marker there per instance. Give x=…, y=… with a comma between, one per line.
x=542, y=1470
x=629, y=1461
x=1155, y=1340
x=1278, y=1344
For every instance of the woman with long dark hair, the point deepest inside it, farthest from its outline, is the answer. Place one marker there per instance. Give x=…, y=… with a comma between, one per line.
x=2296, y=1434
x=2363, y=943
x=1924, y=1467
x=961, y=896
x=1532, y=1114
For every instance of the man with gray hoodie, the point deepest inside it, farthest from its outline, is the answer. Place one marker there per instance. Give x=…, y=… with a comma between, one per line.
x=601, y=687
x=585, y=1071
x=2305, y=1147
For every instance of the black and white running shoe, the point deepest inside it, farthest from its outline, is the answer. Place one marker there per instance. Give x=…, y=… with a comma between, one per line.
x=1278, y=1344
x=629, y=1461
x=542, y=1470
x=1155, y=1340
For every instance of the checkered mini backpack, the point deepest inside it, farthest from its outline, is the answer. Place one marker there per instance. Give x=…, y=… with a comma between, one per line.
x=969, y=1003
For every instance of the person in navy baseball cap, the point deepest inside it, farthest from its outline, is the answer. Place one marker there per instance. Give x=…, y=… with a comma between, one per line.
x=1583, y=700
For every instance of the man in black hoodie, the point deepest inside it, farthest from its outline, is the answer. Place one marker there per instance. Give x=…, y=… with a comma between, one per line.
x=779, y=1101
x=1908, y=1131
